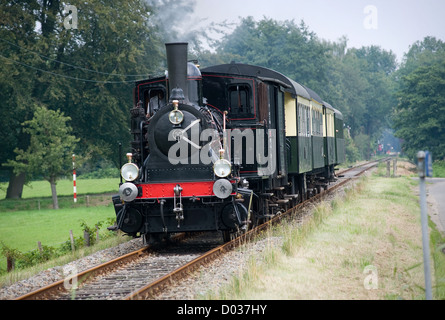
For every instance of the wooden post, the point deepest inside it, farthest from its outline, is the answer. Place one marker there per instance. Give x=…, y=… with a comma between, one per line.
x=394, y=167
x=39, y=245
x=388, y=169
x=86, y=236
x=73, y=247
x=10, y=264
x=97, y=234
x=88, y=201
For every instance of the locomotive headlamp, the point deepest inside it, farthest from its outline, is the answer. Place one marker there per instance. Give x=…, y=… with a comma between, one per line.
x=222, y=168
x=129, y=172
x=176, y=116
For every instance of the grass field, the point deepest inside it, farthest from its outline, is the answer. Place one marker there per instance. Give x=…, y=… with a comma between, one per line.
x=22, y=229
x=22, y=224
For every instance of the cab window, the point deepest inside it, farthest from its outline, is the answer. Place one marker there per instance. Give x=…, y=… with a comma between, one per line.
x=239, y=100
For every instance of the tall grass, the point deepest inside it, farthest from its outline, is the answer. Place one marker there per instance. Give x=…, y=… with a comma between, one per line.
x=438, y=253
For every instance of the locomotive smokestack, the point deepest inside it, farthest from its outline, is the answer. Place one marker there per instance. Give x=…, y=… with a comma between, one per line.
x=177, y=69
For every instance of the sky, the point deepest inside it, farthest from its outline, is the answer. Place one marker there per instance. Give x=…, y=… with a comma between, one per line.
x=392, y=24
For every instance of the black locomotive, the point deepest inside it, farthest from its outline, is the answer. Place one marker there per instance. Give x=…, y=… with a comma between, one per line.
x=223, y=148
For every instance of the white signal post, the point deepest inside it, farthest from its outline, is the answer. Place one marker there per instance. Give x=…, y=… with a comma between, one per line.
x=74, y=180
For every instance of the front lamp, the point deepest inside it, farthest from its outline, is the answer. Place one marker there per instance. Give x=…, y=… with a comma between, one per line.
x=222, y=168
x=176, y=116
x=129, y=172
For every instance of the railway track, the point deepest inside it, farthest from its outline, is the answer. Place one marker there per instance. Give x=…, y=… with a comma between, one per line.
x=143, y=274
x=148, y=267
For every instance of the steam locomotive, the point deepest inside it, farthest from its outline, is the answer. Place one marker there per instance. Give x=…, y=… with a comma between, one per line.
x=222, y=148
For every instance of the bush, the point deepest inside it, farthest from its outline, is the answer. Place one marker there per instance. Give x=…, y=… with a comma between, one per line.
x=351, y=151
x=10, y=253
x=101, y=174
x=439, y=169
x=34, y=257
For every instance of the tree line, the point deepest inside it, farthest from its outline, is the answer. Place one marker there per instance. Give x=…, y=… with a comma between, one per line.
x=85, y=76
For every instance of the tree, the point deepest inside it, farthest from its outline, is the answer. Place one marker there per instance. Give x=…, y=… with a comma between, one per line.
x=16, y=26
x=421, y=53
x=420, y=114
x=88, y=72
x=283, y=46
x=50, y=149
x=360, y=84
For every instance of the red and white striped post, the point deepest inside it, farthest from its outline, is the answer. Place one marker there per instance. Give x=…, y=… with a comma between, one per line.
x=74, y=180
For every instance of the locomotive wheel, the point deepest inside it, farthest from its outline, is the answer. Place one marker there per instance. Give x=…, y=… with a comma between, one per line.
x=130, y=220
x=229, y=217
x=229, y=235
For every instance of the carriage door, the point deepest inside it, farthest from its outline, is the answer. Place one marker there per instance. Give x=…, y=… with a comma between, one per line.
x=277, y=119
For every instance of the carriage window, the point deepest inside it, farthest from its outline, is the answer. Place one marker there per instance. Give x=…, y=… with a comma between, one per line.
x=317, y=123
x=239, y=100
x=304, y=120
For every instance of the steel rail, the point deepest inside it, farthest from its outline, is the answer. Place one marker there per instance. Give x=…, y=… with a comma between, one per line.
x=63, y=286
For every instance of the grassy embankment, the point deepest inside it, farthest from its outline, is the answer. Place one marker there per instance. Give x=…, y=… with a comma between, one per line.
x=365, y=245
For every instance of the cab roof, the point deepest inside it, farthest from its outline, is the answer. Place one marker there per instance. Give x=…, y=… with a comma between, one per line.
x=261, y=73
